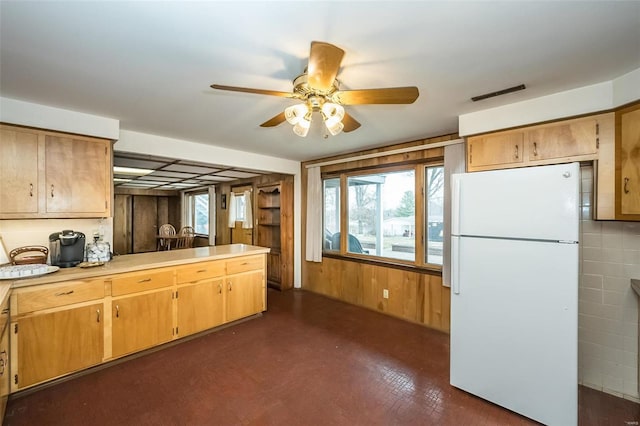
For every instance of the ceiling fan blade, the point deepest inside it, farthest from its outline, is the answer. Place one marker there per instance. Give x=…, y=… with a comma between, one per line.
x=350, y=123
x=256, y=91
x=272, y=122
x=324, y=63
x=391, y=95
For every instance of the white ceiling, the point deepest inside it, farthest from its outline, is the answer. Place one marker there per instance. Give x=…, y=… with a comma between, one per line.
x=149, y=64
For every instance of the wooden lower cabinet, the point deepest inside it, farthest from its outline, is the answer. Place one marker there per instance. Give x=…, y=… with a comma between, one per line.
x=245, y=294
x=141, y=321
x=200, y=306
x=4, y=369
x=64, y=327
x=57, y=343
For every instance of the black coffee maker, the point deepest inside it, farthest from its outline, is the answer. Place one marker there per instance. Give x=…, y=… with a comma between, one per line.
x=66, y=248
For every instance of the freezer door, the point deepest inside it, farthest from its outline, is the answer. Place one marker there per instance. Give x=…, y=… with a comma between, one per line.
x=514, y=326
x=531, y=203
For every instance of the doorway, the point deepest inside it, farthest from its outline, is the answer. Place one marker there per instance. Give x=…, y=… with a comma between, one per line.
x=242, y=213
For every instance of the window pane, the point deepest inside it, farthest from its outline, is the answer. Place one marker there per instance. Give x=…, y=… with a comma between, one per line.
x=240, y=207
x=382, y=215
x=201, y=213
x=434, y=179
x=331, y=216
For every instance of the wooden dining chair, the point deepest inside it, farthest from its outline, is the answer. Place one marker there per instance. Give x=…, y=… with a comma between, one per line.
x=186, y=236
x=166, y=230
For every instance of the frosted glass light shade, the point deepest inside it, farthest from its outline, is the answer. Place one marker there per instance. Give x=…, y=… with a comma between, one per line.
x=334, y=128
x=332, y=110
x=302, y=126
x=295, y=113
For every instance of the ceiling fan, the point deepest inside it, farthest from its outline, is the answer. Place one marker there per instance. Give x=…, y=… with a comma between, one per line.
x=320, y=92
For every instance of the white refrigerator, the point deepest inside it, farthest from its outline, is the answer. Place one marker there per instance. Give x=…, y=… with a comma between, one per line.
x=514, y=289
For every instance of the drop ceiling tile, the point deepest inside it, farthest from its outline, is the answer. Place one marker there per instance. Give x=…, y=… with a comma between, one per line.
x=190, y=169
x=216, y=178
x=161, y=179
x=173, y=174
x=138, y=164
x=236, y=174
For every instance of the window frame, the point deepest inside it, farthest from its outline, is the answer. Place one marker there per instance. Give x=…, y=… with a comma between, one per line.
x=419, y=169
x=189, y=210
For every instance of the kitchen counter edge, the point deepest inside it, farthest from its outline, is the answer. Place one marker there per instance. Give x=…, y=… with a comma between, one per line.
x=142, y=261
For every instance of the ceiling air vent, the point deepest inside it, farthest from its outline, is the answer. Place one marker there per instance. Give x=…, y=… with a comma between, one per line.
x=498, y=93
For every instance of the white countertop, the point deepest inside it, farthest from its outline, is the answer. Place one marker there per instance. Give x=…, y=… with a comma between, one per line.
x=141, y=261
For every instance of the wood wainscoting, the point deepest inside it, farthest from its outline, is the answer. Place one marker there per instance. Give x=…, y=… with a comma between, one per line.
x=414, y=296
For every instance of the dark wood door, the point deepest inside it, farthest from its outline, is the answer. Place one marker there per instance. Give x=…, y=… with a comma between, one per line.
x=145, y=223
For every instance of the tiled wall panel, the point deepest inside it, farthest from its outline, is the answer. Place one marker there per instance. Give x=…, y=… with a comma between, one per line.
x=608, y=307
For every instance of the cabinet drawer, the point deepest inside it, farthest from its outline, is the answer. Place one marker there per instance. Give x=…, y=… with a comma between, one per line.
x=199, y=271
x=249, y=263
x=59, y=295
x=141, y=281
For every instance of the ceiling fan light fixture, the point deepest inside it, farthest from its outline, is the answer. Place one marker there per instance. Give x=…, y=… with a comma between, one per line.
x=295, y=113
x=334, y=128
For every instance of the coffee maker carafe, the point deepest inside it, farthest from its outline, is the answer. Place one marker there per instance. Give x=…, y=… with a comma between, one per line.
x=66, y=248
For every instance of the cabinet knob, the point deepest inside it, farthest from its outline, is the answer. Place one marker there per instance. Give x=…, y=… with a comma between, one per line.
x=535, y=149
x=98, y=318
x=30, y=190
x=517, y=154
x=117, y=311
x=626, y=185
x=52, y=191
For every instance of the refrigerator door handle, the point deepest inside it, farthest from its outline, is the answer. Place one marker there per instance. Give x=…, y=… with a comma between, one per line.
x=456, y=193
x=455, y=265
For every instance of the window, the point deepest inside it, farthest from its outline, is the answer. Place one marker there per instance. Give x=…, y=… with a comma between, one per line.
x=380, y=214
x=197, y=213
x=331, y=216
x=241, y=207
x=434, y=200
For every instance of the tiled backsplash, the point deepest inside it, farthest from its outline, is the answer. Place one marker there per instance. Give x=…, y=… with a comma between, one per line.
x=27, y=232
x=608, y=307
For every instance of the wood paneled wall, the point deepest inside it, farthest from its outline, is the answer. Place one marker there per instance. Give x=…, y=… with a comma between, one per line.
x=414, y=295
x=223, y=232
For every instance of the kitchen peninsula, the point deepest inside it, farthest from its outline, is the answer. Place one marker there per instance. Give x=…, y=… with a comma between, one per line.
x=76, y=318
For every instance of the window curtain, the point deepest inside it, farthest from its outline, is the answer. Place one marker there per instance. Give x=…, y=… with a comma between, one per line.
x=248, y=211
x=454, y=156
x=232, y=210
x=314, y=215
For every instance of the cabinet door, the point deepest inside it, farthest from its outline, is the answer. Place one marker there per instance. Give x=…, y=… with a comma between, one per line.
x=630, y=162
x=245, y=295
x=53, y=344
x=569, y=139
x=76, y=177
x=4, y=370
x=18, y=171
x=495, y=150
x=141, y=321
x=200, y=306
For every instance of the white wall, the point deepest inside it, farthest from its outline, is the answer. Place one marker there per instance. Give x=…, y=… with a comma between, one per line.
x=608, y=307
x=46, y=117
x=589, y=99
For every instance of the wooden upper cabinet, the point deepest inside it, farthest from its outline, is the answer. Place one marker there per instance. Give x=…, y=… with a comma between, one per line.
x=628, y=160
x=559, y=142
x=567, y=139
x=496, y=149
x=18, y=170
x=76, y=176
x=45, y=174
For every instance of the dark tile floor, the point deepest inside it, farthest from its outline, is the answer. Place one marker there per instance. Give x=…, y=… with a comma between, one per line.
x=308, y=361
